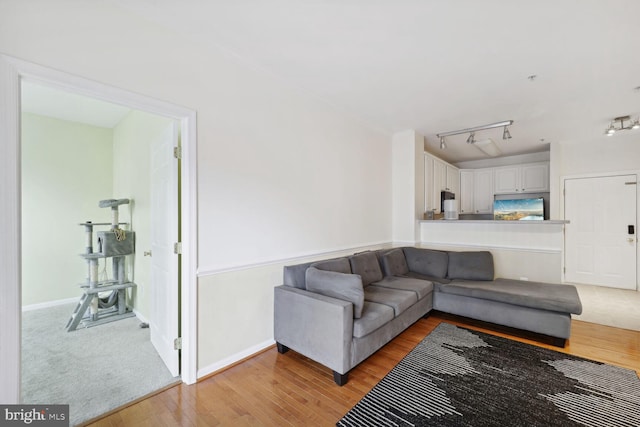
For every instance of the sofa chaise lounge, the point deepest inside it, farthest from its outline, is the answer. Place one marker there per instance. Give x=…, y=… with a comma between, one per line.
x=340, y=311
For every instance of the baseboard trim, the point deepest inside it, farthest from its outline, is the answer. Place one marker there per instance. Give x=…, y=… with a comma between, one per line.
x=236, y=359
x=48, y=304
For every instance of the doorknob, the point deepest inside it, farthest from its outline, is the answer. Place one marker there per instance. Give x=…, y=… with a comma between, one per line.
x=147, y=253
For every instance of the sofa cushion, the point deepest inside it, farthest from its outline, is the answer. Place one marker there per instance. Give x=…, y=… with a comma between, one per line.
x=470, y=265
x=346, y=287
x=339, y=265
x=294, y=275
x=397, y=299
x=394, y=263
x=422, y=288
x=545, y=296
x=435, y=280
x=374, y=316
x=426, y=261
x=366, y=264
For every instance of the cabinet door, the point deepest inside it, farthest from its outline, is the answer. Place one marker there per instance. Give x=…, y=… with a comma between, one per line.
x=483, y=191
x=453, y=180
x=534, y=178
x=428, y=184
x=466, y=191
x=507, y=180
x=439, y=175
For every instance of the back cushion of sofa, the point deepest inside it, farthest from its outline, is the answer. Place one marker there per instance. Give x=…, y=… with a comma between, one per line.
x=427, y=262
x=366, y=264
x=394, y=263
x=339, y=265
x=471, y=265
x=347, y=287
x=294, y=275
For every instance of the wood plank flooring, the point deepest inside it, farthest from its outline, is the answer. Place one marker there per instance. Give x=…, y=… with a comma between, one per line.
x=272, y=389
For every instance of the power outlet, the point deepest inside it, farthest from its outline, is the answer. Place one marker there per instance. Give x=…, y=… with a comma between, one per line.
x=524, y=278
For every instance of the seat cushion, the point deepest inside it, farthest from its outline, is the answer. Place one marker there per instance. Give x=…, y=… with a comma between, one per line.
x=545, y=296
x=366, y=264
x=347, y=287
x=470, y=265
x=374, y=316
x=397, y=299
x=429, y=278
x=422, y=288
x=426, y=261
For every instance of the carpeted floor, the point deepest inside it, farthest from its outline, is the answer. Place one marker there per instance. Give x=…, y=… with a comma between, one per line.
x=93, y=370
x=459, y=377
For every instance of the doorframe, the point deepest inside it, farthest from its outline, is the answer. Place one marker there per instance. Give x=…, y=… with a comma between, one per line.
x=12, y=72
x=563, y=180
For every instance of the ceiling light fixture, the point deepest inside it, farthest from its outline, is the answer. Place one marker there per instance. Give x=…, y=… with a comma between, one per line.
x=472, y=132
x=506, y=134
x=619, y=124
x=472, y=138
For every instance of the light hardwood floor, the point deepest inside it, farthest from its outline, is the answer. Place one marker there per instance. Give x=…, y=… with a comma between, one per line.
x=274, y=389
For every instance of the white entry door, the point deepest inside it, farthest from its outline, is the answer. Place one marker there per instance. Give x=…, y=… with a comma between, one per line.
x=163, y=320
x=600, y=239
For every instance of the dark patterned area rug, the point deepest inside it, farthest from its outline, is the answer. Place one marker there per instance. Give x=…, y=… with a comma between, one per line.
x=460, y=377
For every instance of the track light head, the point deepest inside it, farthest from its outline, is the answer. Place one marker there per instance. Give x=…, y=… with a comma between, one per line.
x=619, y=124
x=506, y=134
x=472, y=138
x=442, y=143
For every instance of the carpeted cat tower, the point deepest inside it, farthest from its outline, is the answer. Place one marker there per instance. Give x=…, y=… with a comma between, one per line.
x=104, y=301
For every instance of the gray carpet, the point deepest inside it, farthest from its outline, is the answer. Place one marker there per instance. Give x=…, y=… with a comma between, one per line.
x=459, y=377
x=94, y=370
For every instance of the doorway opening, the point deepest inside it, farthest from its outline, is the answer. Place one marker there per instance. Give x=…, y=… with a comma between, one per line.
x=90, y=187
x=12, y=73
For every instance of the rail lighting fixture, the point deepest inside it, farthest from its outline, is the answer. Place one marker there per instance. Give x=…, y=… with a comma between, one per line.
x=472, y=132
x=618, y=124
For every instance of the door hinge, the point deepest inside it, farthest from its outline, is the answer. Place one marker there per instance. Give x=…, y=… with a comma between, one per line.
x=177, y=248
x=177, y=343
x=177, y=152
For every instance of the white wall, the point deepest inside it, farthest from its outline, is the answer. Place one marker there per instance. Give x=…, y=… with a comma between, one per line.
x=132, y=139
x=408, y=186
x=66, y=170
x=280, y=174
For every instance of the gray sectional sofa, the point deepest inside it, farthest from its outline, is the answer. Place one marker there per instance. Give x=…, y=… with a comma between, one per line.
x=340, y=311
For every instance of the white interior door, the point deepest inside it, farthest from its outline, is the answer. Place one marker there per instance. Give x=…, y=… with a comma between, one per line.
x=163, y=321
x=600, y=247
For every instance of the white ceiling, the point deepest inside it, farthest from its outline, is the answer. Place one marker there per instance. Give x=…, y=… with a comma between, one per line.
x=437, y=66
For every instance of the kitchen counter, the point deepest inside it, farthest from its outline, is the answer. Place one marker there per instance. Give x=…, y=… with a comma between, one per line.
x=490, y=221
x=530, y=250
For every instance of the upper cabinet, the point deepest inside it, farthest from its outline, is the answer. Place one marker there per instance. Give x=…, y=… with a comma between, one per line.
x=439, y=176
x=476, y=191
x=527, y=178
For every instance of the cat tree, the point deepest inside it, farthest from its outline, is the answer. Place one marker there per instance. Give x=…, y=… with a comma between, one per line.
x=104, y=301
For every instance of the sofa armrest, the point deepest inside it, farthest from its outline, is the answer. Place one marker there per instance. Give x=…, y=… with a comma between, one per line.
x=317, y=326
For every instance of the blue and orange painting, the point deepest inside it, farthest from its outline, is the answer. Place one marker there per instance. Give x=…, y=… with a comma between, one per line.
x=519, y=209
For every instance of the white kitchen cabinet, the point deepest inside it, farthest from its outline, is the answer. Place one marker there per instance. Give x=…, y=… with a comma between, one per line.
x=453, y=180
x=439, y=176
x=476, y=191
x=483, y=191
x=428, y=184
x=527, y=178
x=466, y=191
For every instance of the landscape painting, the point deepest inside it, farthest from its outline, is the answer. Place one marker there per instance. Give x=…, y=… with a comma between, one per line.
x=519, y=209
